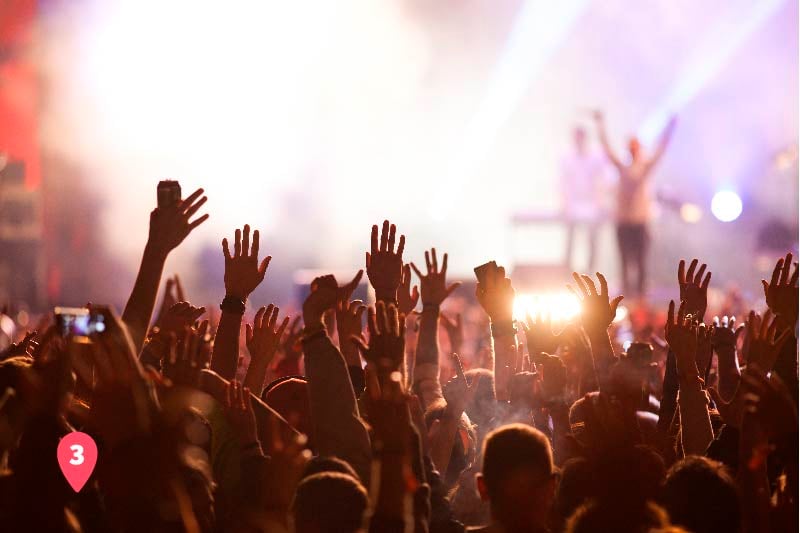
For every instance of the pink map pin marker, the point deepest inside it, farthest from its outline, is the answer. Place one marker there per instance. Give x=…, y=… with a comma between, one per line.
x=77, y=455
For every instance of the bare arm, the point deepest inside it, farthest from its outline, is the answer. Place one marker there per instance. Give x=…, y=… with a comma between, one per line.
x=243, y=274
x=696, y=431
x=169, y=226
x=434, y=291
x=338, y=429
x=663, y=142
x=603, y=136
x=597, y=314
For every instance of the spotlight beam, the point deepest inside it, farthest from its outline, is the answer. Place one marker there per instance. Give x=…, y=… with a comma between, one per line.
x=708, y=59
x=539, y=29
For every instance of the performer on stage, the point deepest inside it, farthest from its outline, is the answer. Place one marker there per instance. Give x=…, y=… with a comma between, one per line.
x=582, y=179
x=634, y=204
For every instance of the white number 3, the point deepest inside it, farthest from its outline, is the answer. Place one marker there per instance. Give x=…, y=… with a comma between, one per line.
x=77, y=455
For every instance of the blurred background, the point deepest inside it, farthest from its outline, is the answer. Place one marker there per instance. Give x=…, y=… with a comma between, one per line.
x=312, y=120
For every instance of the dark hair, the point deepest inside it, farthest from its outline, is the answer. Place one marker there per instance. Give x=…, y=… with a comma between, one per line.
x=329, y=502
x=593, y=516
x=510, y=448
x=328, y=463
x=701, y=495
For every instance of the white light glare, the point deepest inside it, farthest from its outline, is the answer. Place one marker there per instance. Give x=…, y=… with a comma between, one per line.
x=561, y=306
x=726, y=206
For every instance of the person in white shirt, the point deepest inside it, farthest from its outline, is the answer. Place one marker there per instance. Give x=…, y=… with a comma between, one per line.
x=582, y=179
x=634, y=204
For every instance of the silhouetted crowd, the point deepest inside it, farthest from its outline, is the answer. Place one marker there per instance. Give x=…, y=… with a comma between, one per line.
x=351, y=417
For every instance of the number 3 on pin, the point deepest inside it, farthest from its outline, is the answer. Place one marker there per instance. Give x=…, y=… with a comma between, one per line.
x=77, y=455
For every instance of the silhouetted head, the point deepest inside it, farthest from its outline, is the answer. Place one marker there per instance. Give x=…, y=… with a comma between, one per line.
x=329, y=502
x=518, y=477
x=700, y=495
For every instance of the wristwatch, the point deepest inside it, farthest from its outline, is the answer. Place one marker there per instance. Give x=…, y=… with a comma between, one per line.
x=232, y=304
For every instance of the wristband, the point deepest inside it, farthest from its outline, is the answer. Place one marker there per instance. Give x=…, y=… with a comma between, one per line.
x=232, y=304
x=503, y=329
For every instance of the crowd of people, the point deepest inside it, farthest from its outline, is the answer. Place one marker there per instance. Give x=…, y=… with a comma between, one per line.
x=351, y=417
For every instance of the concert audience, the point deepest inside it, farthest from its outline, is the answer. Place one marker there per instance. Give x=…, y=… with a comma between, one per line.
x=331, y=426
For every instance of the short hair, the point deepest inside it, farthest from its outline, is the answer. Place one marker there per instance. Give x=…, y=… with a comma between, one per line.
x=593, y=516
x=511, y=447
x=701, y=495
x=331, y=502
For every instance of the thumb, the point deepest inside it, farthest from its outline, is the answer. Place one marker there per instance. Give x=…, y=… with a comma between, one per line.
x=766, y=286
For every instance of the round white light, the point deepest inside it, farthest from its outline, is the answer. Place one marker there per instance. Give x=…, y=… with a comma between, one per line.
x=726, y=206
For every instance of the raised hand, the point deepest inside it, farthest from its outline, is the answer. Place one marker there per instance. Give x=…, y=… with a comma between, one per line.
x=597, y=312
x=173, y=293
x=169, y=226
x=349, y=325
x=694, y=288
x=189, y=354
x=325, y=292
x=681, y=334
x=407, y=297
x=726, y=333
x=262, y=339
x=458, y=393
x=496, y=296
x=387, y=330
x=180, y=316
x=762, y=344
x=384, y=263
x=781, y=292
x=554, y=379
x=243, y=273
x=433, y=285
x=455, y=331
x=539, y=334
x=239, y=413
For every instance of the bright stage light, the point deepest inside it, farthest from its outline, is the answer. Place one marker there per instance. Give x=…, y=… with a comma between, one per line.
x=561, y=306
x=726, y=206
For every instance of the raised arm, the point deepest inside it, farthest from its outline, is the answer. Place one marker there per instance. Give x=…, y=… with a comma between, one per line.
x=169, y=226
x=434, y=290
x=243, y=274
x=603, y=136
x=338, y=429
x=263, y=339
x=390, y=418
x=663, y=142
x=496, y=296
x=597, y=314
x=681, y=334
